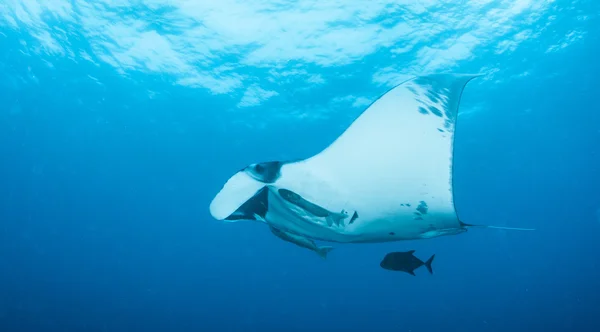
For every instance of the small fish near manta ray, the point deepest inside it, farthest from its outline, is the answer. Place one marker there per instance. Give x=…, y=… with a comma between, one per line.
x=405, y=262
x=387, y=177
x=300, y=241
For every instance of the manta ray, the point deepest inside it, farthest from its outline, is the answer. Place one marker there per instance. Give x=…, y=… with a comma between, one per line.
x=387, y=177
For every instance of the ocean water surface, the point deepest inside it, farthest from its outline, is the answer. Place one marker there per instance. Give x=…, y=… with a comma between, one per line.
x=120, y=121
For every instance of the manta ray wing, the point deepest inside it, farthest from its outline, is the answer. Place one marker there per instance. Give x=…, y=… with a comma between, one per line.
x=387, y=177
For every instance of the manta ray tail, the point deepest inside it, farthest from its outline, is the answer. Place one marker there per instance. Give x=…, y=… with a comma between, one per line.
x=496, y=227
x=323, y=251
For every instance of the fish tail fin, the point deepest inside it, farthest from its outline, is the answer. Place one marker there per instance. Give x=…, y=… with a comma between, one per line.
x=428, y=264
x=496, y=227
x=323, y=251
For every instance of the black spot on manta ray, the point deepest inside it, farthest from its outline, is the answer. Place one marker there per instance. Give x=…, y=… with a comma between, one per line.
x=354, y=217
x=421, y=80
x=412, y=89
x=434, y=97
x=422, y=207
x=447, y=110
x=435, y=111
x=448, y=124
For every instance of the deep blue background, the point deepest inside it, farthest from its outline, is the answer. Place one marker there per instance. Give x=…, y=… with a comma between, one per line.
x=104, y=222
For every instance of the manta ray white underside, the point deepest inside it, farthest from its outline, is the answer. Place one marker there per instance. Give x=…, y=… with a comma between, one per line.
x=387, y=177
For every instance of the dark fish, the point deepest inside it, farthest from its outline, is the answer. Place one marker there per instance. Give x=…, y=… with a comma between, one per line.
x=405, y=262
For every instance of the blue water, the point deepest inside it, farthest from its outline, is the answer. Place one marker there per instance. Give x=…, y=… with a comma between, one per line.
x=120, y=121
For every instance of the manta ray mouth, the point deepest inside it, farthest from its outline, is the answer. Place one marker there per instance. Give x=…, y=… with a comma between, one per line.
x=239, y=198
x=253, y=209
x=256, y=204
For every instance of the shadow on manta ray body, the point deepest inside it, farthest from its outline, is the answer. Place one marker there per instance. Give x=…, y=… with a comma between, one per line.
x=387, y=177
